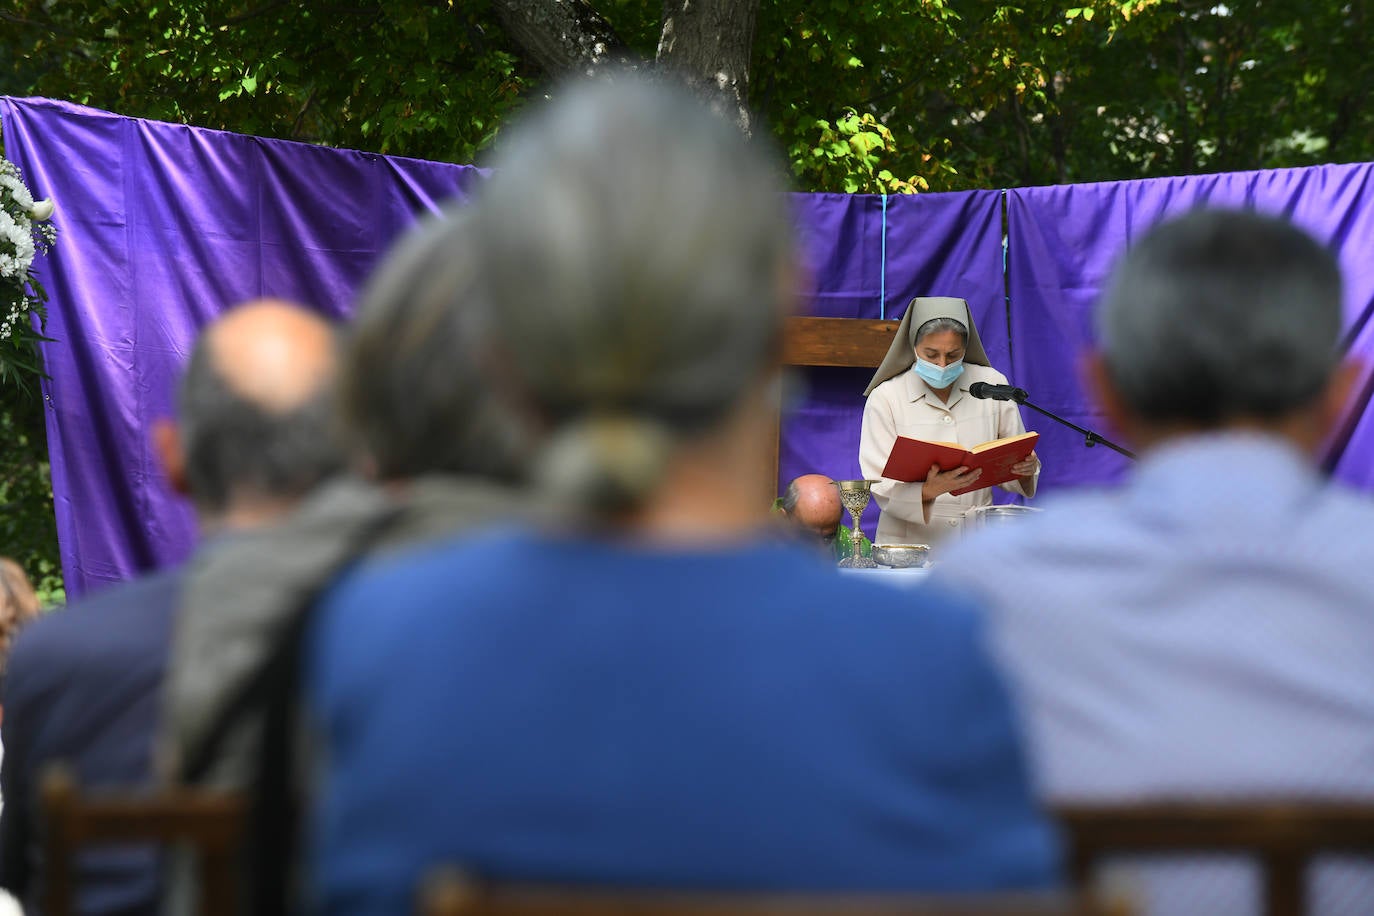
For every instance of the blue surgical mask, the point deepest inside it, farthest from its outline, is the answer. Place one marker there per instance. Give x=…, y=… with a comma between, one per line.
x=936, y=377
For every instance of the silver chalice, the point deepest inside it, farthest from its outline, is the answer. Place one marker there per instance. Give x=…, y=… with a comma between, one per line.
x=854, y=496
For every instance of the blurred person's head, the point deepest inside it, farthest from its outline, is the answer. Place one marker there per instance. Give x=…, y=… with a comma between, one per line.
x=811, y=502
x=638, y=264
x=18, y=604
x=414, y=394
x=255, y=427
x=1219, y=320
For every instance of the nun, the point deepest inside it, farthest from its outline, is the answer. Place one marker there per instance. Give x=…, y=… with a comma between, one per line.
x=921, y=391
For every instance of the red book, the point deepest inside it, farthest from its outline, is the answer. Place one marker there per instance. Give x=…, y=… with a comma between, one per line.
x=911, y=459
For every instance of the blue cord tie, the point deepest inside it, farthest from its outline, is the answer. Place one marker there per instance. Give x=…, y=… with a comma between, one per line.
x=882, y=270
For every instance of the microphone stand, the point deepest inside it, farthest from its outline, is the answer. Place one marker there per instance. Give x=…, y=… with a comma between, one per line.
x=1090, y=438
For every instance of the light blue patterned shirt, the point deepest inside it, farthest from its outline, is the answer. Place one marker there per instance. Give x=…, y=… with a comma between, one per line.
x=1205, y=631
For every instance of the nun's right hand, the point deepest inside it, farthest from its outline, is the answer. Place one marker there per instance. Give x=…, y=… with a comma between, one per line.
x=939, y=482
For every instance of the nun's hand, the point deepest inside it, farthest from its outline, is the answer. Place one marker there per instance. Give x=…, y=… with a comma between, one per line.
x=939, y=482
x=1026, y=467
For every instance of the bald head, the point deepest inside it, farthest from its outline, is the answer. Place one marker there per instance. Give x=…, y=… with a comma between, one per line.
x=812, y=501
x=256, y=411
x=272, y=354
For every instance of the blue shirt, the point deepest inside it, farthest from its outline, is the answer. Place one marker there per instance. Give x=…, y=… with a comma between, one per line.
x=1206, y=631
x=83, y=686
x=543, y=709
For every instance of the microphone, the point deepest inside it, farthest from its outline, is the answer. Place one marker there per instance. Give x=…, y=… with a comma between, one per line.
x=998, y=392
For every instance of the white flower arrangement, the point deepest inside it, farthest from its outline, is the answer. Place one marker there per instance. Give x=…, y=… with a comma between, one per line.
x=24, y=234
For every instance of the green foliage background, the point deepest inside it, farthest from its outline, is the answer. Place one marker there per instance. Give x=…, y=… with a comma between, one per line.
x=961, y=93
x=895, y=96
x=28, y=529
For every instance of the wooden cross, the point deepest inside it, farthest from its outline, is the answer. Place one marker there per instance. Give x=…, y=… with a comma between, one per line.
x=850, y=342
x=853, y=342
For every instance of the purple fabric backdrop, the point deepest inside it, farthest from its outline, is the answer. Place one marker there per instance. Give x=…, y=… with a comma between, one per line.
x=163, y=226
x=1063, y=241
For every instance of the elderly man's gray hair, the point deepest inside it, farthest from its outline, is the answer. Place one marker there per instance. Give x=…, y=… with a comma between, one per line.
x=788, y=501
x=1221, y=315
x=637, y=249
x=415, y=396
x=236, y=447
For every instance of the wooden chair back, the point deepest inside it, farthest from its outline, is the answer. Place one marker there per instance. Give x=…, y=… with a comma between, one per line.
x=211, y=824
x=451, y=893
x=1283, y=837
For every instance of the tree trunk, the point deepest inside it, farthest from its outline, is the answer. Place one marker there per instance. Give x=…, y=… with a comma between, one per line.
x=563, y=36
x=708, y=43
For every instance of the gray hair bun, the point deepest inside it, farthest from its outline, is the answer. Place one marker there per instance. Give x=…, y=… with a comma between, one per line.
x=604, y=465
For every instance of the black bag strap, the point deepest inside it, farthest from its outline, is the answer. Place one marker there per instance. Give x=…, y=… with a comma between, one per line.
x=272, y=693
x=275, y=814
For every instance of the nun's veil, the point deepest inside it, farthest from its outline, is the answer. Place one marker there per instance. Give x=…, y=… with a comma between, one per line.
x=901, y=354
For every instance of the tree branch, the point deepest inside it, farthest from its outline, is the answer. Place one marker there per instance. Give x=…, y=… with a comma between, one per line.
x=300, y=116
x=55, y=29
x=254, y=12
x=562, y=36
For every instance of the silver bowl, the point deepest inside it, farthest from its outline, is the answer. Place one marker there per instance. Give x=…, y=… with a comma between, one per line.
x=901, y=556
x=989, y=516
